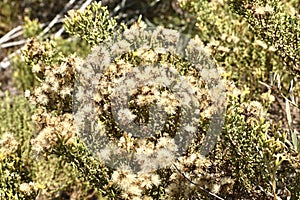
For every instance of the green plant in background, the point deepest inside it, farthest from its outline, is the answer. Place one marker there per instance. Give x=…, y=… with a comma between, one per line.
x=8, y=15
x=245, y=57
x=271, y=23
x=13, y=171
x=16, y=130
x=93, y=25
x=22, y=77
x=256, y=152
x=16, y=117
x=32, y=28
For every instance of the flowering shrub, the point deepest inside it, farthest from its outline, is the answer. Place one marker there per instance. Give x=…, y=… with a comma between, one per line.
x=80, y=131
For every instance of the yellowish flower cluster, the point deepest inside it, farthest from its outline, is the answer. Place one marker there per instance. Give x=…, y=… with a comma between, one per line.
x=51, y=129
x=8, y=145
x=263, y=10
x=142, y=86
x=133, y=185
x=254, y=111
x=57, y=84
x=28, y=188
x=56, y=75
x=192, y=177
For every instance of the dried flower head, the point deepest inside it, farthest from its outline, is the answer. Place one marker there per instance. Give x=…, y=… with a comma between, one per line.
x=8, y=144
x=28, y=188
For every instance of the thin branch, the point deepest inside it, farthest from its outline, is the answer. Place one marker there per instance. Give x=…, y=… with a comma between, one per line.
x=58, y=16
x=5, y=62
x=278, y=91
x=8, y=35
x=119, y=7
x=12, y=44
x=17, y=34
x=59, y=32
x=85, y=4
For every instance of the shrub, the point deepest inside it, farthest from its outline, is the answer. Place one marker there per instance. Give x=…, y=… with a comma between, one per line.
x=254, y=158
